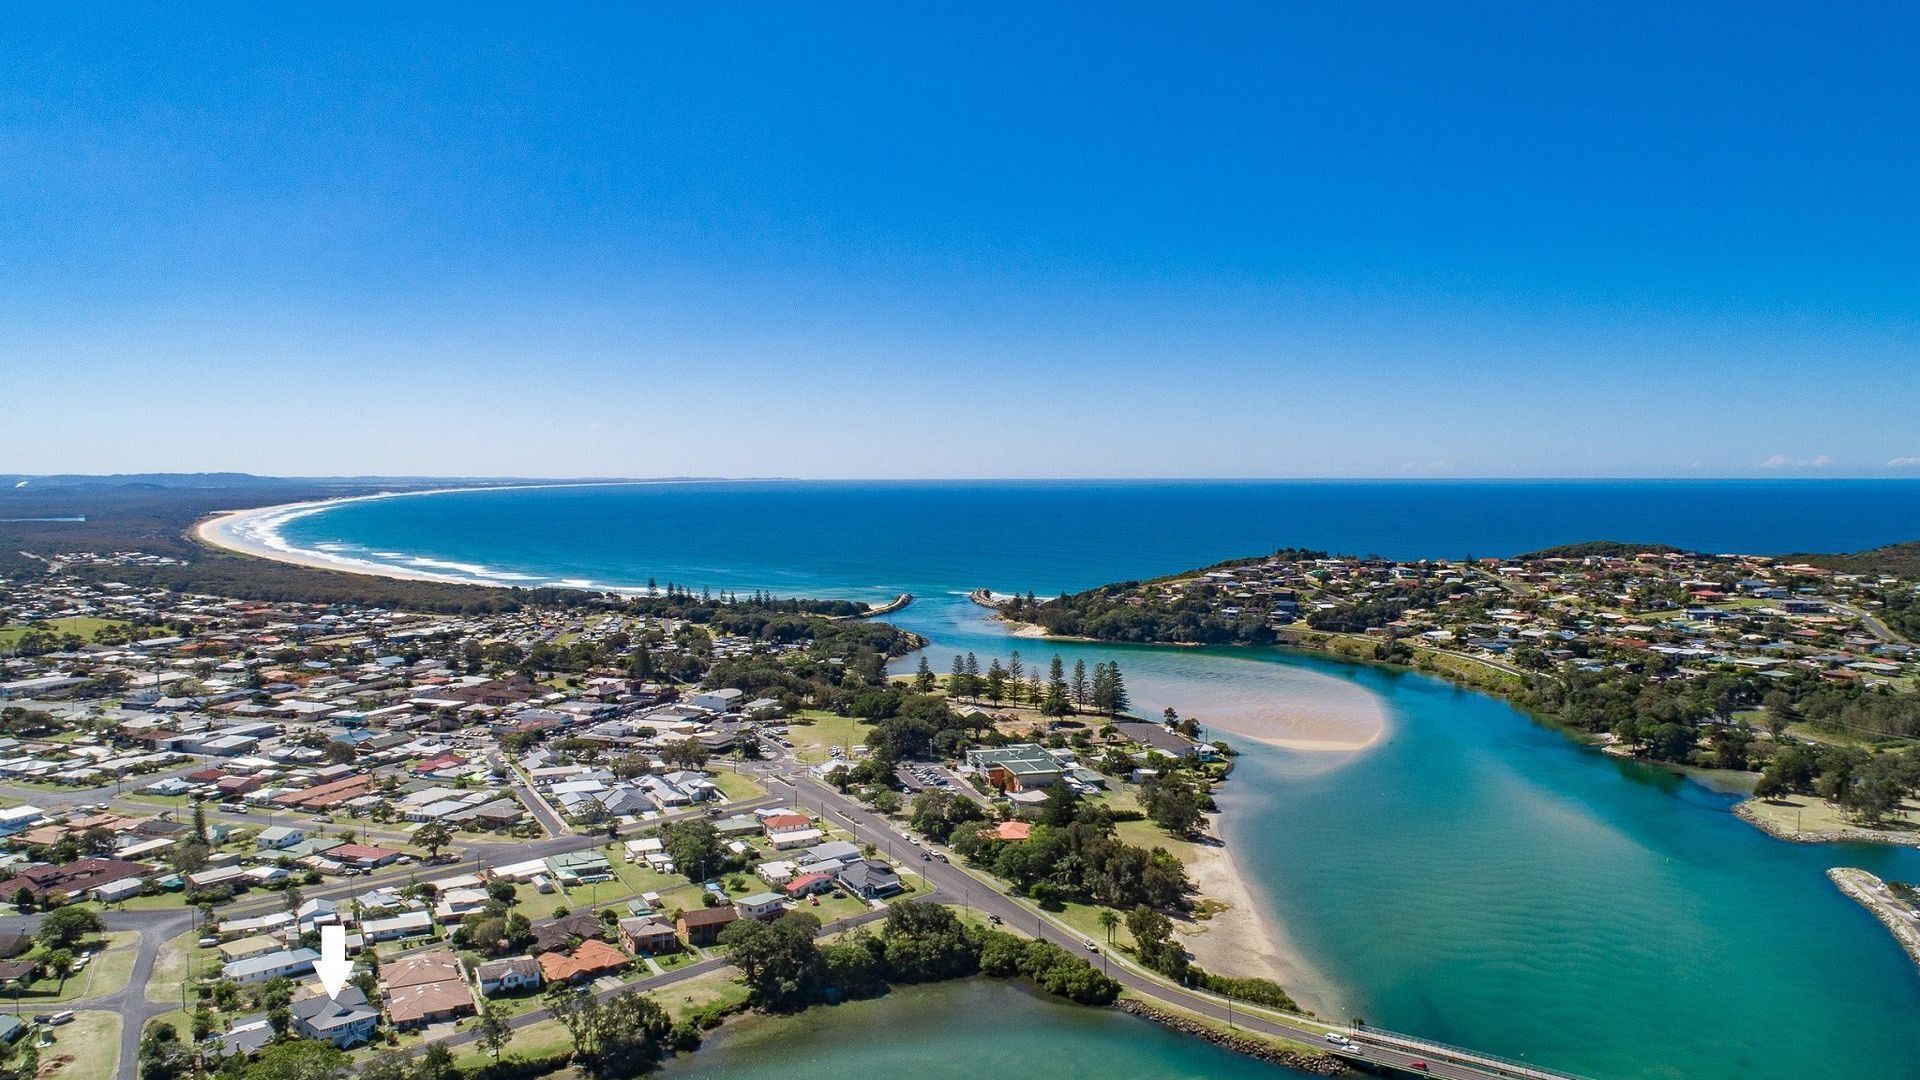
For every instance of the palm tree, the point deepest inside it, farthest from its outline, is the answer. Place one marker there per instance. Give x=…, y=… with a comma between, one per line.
x=1108, y=920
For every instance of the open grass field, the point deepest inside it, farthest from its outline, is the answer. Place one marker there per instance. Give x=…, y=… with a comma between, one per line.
x=106, y=973
x=87, y=1049
x=176, y=964
x=84, y=625
x=1795, y=815
x=715, y=989
x=533, y=1041
x=813, y=733
x=737, y=786
x=1148, y=835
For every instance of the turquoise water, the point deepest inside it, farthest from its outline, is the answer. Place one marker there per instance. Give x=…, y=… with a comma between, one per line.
x=959, y=1031
x=1472, y=877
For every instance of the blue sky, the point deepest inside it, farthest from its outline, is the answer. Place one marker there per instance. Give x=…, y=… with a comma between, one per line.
x=1027, y=240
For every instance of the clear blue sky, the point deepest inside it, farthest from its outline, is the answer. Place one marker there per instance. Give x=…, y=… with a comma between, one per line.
x=962, y=240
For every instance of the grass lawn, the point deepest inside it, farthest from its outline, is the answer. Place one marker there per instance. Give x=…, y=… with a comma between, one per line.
x=168, y=801
x=163, y=901
x=715, y=989
x=106, y=973
x=86, y=626
x=811, y=740
x=181, y=1020
x=1148, y=835
x=1793, y=814
x=629, y=882
x=1833, y=737
x=1085, y=920
x=87, y=1049
x=535, y=1040
x=176, y=964
x=637, y=878
x=737, y=786
x=511, y=1005
x=834, y=906
x=669, y=961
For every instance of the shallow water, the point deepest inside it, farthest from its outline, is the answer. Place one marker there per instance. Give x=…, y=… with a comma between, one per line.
x=971, y=1030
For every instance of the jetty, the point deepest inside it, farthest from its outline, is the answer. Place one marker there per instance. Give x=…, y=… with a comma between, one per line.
x=1900, y=916
x=983, y=597
x=887, y=608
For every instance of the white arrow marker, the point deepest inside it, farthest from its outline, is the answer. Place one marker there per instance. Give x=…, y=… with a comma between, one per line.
x=334, y=967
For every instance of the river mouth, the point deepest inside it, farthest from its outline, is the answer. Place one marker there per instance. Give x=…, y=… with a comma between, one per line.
x=1454, y=869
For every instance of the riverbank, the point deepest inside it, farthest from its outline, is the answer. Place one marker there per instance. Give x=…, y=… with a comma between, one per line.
x=1870, y=892
x=964, y=1030
x=1807, y=819
x=1241, y=938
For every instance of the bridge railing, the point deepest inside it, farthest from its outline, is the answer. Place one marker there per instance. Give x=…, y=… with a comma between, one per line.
x=1494, y=1063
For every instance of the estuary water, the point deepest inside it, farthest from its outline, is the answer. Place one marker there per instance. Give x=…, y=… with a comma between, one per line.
x=962, y=1031
x=1467, y=875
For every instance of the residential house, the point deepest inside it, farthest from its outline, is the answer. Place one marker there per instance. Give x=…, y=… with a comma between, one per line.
x=702, y=926
x=425, y=988
x=247, y=948
x=346, y=1020
x=70, y=880
x=808, y=884
x=276, y=837
x=508, y=976
x=870, y=879
x=590, y=961
x=556, y=935
x=648, y=936
x=362, y=855
x=248, y=1036
x=573, y=868
x=394, y=927
x=766, y=906
x=259, y=969
x=829, y=855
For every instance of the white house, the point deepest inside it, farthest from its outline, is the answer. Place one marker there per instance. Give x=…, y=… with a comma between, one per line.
x=259, y=969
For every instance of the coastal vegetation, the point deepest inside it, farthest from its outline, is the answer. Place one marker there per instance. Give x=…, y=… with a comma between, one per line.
x=785, y=967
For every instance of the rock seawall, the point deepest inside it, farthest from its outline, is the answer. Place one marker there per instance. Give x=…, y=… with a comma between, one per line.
x=1872, y=893
x=1259, y=1049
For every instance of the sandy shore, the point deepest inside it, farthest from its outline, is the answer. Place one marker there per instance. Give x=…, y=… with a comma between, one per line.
x=1244, y=940
x=256, y=532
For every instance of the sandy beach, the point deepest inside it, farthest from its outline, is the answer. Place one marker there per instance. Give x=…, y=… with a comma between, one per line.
x=256, y=532
x=1245, y=940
